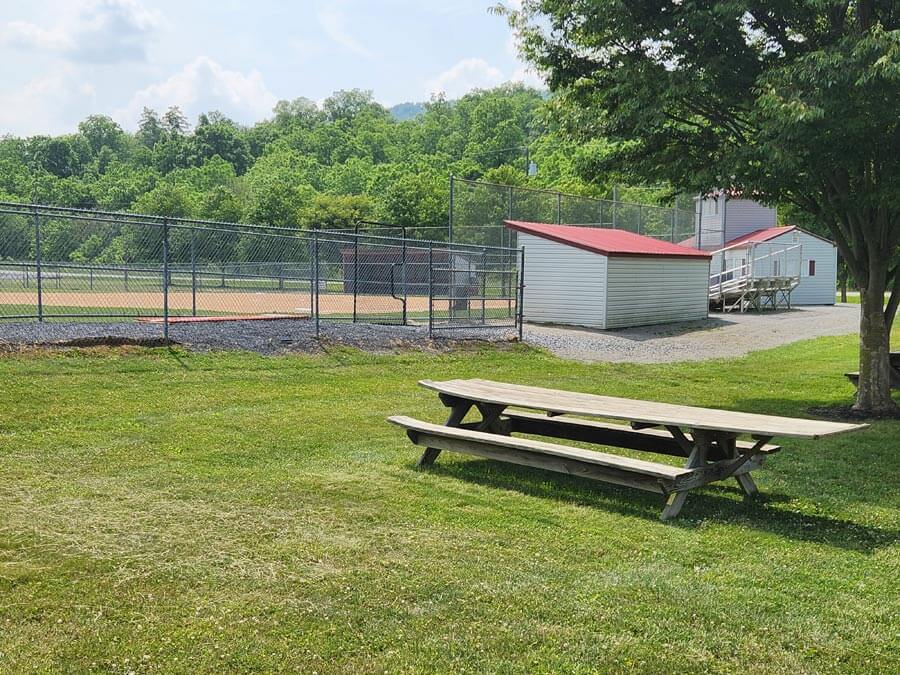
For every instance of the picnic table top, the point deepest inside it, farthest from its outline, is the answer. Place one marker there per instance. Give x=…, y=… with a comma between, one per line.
x=635, y=410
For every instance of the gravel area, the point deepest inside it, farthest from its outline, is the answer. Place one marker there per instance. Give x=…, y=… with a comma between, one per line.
x=720, y=336
x=264, y=337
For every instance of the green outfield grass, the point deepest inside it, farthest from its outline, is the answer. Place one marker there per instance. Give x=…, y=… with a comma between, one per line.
x=167, y=511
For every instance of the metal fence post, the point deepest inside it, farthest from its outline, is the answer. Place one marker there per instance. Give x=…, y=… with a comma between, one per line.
x=316, y=280
x=37, y=260
x=674, y=216
x=509, y=214
x=483, y=285
x=193, y=274
x=355, y=272
x=430, y=289
x=615, y=206
x=312, y=271
x=403, y=268
x=165, y=255
x=559, y=208
x=450, y=219
x=521, y=301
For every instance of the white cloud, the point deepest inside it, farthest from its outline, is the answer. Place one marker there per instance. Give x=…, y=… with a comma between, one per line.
x=200, y=86
x=528, y=76
x=525, y=72
x=334, y=23
x=468, y=74
x=47, y=105
x=101, y=31
x=24, y=35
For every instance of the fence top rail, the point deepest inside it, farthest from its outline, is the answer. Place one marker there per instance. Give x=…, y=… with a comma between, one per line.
x=556, y=193
x=142, y=218
x=127, y=218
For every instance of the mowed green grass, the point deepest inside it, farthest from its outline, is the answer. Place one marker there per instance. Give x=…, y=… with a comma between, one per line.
x=165, y=511
x=853, y=297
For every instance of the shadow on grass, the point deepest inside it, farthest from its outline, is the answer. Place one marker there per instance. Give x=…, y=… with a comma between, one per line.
x=720, y=502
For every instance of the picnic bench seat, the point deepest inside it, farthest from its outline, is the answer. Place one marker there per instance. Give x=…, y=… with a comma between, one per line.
x=651, y=476
x=707, y=437
x=658, y=441
x=895, y=372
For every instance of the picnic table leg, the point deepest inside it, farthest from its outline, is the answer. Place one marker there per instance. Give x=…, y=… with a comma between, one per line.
x=697, y=458
x=458, y=410
x=745, y=480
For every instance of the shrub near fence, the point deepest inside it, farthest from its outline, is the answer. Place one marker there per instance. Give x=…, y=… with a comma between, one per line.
x=58, y=263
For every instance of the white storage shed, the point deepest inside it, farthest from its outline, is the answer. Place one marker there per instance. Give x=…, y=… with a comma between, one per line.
x=602, y=278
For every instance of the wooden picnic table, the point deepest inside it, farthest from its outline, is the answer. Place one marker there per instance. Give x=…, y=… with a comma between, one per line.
x=707, y=437
x=894, y=374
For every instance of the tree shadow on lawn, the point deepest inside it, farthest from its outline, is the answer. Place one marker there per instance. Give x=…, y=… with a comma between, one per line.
x=712, y=502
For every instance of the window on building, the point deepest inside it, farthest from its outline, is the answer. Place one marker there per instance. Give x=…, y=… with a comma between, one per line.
x=812, y=268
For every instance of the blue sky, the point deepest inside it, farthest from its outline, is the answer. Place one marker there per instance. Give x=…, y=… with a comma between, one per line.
x=66, y=59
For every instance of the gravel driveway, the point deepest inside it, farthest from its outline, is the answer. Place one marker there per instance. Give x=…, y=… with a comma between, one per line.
x=722, y=335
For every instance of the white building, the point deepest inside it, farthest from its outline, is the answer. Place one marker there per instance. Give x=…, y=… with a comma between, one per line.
x=782, y=251
x=720, y=219
x=602, y=278
x=743, y=233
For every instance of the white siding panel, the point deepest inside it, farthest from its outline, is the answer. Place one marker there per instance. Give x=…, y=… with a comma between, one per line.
x=743, y=216
x=708, y=223
x=820, y=289
x=646, y=290
x=563, y=284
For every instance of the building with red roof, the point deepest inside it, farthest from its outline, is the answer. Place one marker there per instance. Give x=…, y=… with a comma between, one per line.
x=603, y=278
x=749, y=235
x=786, y=250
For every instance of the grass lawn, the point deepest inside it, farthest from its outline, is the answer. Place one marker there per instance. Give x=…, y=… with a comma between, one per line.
x=170, y=511
x=853, y=297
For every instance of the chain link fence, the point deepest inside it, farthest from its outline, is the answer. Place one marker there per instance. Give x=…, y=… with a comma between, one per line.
x=69, y=264
x=478, y=209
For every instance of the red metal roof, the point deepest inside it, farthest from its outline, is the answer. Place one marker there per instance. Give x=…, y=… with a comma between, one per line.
x=765, y=234
x=605, y=241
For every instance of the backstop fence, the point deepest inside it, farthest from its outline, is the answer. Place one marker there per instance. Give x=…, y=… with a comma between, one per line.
x=478, y=209
x=63, y=264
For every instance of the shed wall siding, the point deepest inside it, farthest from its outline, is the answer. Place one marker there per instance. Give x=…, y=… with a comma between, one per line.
x=645, y=291
x=820, y=289
x=563, y=284
x=743, y=216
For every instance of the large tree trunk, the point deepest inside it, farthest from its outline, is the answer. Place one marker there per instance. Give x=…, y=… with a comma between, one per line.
x=874, y=394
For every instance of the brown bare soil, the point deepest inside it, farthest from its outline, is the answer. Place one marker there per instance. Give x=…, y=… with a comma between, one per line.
x=242, y=302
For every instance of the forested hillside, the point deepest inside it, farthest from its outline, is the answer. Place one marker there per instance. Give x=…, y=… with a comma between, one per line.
x=306, y=166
